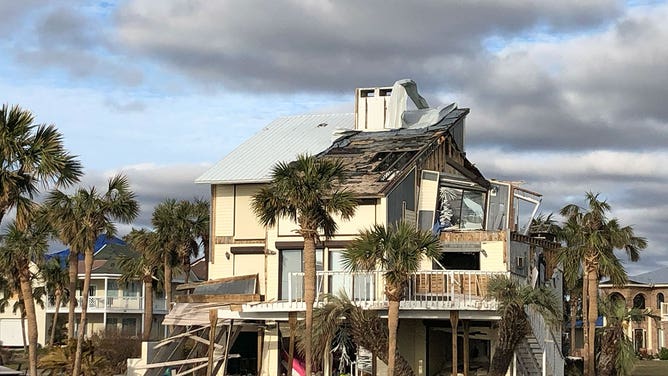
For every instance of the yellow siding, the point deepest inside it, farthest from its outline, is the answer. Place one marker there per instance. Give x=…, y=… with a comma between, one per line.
x=365, y=217
x=491, y=259
x=224, y=210
x=250, y=264
x=222, y=267
x=247, y=226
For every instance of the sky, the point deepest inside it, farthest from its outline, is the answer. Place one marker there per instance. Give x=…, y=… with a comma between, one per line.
x=568, y=96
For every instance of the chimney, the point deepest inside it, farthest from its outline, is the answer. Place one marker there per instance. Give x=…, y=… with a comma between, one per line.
x=371, y=108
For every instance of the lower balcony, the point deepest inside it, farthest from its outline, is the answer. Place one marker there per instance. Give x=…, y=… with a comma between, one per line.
x=427, y=289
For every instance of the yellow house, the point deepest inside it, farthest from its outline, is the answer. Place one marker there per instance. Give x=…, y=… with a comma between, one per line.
x=402, y=164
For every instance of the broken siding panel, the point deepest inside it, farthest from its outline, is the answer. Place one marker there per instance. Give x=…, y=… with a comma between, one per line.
x=223, y=210
x=247, y=225
x=402, y=199
x=427, y=199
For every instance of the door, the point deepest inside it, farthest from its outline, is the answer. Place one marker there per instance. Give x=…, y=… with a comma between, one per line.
x=638, y=340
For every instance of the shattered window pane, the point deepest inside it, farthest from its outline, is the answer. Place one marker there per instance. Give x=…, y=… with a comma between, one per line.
x=461, y=209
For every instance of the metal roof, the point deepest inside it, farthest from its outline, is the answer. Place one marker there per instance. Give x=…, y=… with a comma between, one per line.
x=280, y=141
x=658, y=276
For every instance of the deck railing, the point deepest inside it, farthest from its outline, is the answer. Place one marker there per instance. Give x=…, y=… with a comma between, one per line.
x=115, y=303
x=459, y=289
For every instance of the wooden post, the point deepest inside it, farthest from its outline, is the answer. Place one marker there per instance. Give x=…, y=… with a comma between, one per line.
x=292, y=320
x=227, y=347
x=374, y=364
x=466, y=347
x=213, y=320
x=260, y=342
x=454, y=320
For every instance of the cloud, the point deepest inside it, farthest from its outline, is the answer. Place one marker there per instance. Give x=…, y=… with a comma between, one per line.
x=325, y=46
x=153, y=184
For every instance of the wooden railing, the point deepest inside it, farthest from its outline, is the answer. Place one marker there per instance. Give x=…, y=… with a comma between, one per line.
x=460, y=289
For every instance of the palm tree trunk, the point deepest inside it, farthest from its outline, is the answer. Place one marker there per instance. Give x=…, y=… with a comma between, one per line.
x=73, y=274
x=592, y=317
x=54, y=323
x=205, y=242
x=611, y=342
x=585, y=321
x=29, y=309
x=393, y=325
x=88, y=269
x=168, y=282
x=513, y=327
x=148, y=309
x=573, y=317
x=309, y=296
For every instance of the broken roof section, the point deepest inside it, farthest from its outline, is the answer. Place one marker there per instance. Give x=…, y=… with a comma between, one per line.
x=374, y=160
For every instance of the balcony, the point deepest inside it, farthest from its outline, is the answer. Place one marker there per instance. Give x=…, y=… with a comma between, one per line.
x=114, y=304
x=428, y=289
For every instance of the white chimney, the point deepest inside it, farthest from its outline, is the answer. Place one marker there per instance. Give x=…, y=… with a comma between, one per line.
x=371, y=108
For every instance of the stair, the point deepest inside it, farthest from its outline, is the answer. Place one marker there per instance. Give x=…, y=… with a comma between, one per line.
x=529, y=357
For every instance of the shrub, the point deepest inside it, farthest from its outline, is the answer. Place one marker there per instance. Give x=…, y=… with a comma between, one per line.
x=663, y=353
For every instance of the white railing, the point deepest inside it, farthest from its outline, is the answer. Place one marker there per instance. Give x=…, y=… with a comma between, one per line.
x=461, y=289
x=159, y=304
x=553, y=359
x=125, y=302
x=111, y=303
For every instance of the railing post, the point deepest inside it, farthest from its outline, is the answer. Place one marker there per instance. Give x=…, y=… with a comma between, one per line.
x=290, y=288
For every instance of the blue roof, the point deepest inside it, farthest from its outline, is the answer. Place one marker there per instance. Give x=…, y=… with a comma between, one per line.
x=100, y=242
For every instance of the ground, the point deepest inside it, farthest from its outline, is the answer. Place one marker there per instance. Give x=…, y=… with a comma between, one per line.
x=650, y=368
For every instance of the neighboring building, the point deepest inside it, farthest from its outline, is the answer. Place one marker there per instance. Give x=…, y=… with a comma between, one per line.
x=645, y=291
x=402, y=165
x=112, y=305
x=10, y=323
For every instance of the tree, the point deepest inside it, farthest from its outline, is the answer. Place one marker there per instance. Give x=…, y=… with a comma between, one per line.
x=144, y=267
x=397, y=250
x=20, y=249
x=170, y=236
x=201, y=212
x=591, y=238
x=307, y=191
x=339, y=322
x=514, y=325
x=79, y=219
x=30, y=155
x=56, y=280
x=617, y=355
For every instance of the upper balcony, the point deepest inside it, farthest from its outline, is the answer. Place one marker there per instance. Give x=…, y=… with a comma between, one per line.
x=116, y=304
x=426, y=290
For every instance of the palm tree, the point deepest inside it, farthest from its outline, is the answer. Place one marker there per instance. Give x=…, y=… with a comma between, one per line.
x=166, y=224
x=79, y=219
x=617, y=355
x=201, y=212
x=56, y=280
x=30, y=155
x=144, y=267
x=339, y=323
x=592, y=239
x=514, y=325
x=397, y=250
x=307, y=191
x=19, y=249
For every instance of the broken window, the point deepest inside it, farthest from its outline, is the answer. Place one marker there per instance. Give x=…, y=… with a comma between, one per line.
x=461, y=209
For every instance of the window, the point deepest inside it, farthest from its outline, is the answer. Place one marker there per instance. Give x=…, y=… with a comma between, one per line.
x=293, y=262
x=461, y=208
x=92, y=290
x=639, y=301
x=659, y=300
x=131, y=289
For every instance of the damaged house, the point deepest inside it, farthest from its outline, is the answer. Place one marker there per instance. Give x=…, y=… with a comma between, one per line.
x=405, y=161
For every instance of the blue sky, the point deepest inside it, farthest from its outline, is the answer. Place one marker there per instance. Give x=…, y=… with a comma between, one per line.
x=568, y=96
